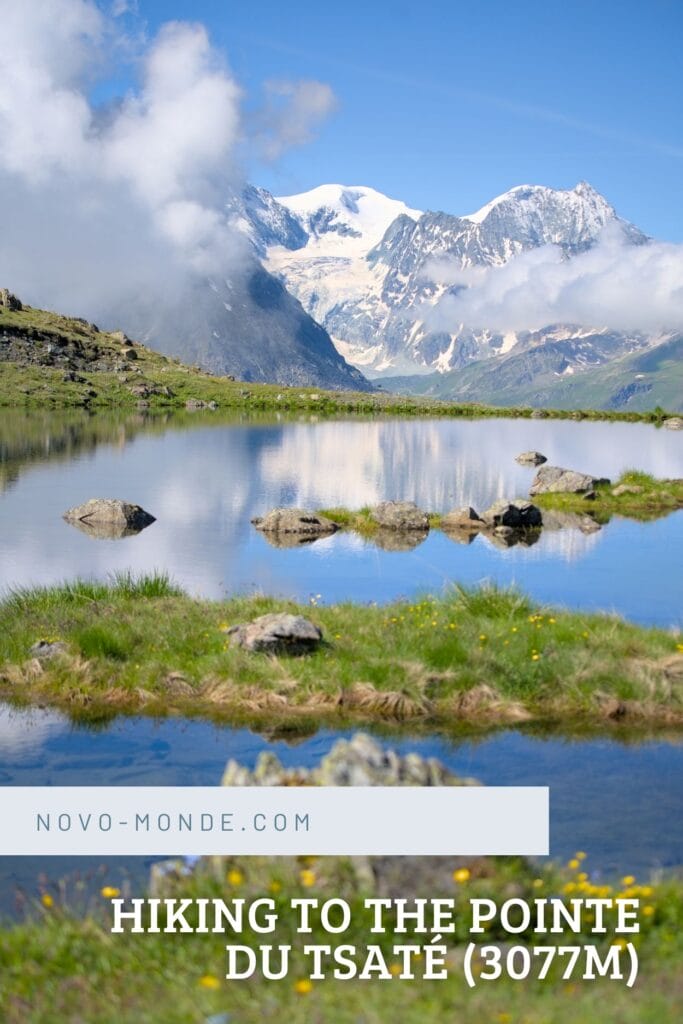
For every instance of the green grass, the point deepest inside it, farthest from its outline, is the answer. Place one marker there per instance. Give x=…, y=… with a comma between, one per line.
x=62, y=967
x=43, y=386
x=486, y=656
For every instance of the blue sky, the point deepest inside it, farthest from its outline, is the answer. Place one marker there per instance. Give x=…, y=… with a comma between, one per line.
x=447, y=104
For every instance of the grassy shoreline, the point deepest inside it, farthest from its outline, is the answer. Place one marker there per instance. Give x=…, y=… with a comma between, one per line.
x=156, y=383
x=481, y=656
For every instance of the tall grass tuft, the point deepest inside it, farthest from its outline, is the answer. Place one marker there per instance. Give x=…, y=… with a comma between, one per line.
x=124, y=584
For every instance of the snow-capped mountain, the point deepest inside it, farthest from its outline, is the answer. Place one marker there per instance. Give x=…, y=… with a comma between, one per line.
x=362, y=265
x=344, y=221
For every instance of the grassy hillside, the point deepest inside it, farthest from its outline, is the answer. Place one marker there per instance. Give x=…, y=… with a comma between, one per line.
x=53, y=361
x=635, y=383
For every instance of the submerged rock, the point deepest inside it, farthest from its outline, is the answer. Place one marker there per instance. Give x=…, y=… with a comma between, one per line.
x=400, y=515
x=530, y=459
x=674, y=423
x=277, y=633
x=554, y=519
x=556, y=480
x=507, y=537
x=398, y=540
x=360, y=761
x=294, y=521
x=109, y=518
x=519, y=514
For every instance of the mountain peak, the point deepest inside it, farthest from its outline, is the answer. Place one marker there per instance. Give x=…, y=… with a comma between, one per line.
x=352, y=218
x=535, y=196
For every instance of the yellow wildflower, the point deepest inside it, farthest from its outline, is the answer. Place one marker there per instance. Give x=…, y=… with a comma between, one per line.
x=628, y=880
x=648, y=910
x=573, y=864
x=461, y=875
x=235, y=877
x=307, y=877
x=209, y=981
x=275, y=887
x=47, y=900
x=110, y=893
x=303, y=986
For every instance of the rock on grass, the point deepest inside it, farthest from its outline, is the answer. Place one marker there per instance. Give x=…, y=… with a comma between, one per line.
x=277, y=633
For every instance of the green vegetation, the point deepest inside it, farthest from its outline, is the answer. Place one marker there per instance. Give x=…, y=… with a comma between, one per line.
x=61, y=968
x=484, y=656
x=52, y=361
x=638, y=496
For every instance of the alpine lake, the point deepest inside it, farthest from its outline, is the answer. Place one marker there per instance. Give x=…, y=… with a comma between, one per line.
x=204, y=476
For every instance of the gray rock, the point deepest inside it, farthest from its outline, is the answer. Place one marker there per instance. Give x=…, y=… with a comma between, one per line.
x=555, y=480
x=519, y=514
x=674, y=423
x=465, y=518
x=122, y=338
x=626, y=489
x=530, y=459
x=44, y=650
x=539, y=414
x=9, y=301
x=400, y=515
x=193, y=404
x=109, y=518
x=128, y=353
x=294, y=521
x=277, y=633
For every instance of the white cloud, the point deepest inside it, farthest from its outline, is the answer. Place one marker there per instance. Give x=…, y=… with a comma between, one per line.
x=615, y=285
x=292, y=113
x=121, y=202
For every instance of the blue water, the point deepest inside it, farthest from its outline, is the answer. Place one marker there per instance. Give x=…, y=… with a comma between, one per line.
x=620, y=803
x=205, y=484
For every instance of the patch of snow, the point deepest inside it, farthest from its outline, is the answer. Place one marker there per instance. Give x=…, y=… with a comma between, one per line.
x=364, y=211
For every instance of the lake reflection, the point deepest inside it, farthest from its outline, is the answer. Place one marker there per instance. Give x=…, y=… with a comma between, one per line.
x=205, y=483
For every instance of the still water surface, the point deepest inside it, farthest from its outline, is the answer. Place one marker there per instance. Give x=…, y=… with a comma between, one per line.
x=204, y=484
